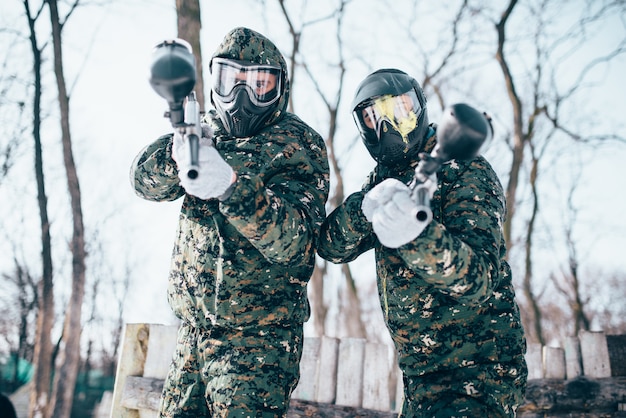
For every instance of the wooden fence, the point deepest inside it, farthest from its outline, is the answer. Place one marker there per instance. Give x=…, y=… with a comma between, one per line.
x=353, y=377
x=585, y=378
x=350, y=372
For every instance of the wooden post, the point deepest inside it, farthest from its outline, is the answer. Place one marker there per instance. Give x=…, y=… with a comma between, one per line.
x=161, y=347
x=595, y=354
x=534, y=361
x=130, y=363
x=307, y=385
x=573, y=362
x=376, y=372
x=617, y=354
x=350, y=372
x=399, y=389
x=554, y=363
x=327, y=371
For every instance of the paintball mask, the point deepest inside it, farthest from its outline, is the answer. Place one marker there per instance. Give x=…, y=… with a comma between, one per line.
x=389, y=110
x=245, y=95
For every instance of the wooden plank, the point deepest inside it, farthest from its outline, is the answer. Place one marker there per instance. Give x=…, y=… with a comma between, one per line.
x=399, y=400
x=327, y=371
x=307, y=409
x=543, y=396
x=142, y=393
x=616, y=345
x=138, y=397
x=307, y=384
x=376, y=374
x=161, y=347
x=573, y=362
x=131, y=361
x=534, y=361
x=350, y=372
x=145, y=413
x=554, y=363
x=595, y=354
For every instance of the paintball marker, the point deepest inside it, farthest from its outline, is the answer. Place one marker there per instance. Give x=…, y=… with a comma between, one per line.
x=173, y=76
x=461, y=133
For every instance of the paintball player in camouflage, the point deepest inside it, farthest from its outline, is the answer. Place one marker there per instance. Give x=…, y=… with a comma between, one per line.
x=246, y=238
x=445, y=288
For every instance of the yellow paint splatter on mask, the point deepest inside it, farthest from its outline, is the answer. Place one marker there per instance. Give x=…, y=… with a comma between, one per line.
x=386, y=108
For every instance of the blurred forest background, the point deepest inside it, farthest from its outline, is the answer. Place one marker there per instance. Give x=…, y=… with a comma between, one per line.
x=82, y=255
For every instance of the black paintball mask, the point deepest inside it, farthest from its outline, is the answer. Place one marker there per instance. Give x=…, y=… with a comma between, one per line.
x=389, y=109
x=245, y=95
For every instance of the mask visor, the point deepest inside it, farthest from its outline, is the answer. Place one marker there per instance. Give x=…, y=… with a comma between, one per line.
x=262, y=82
x=401, y=112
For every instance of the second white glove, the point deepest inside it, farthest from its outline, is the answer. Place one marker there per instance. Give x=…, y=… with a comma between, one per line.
x=215, y=176
x=391, y=210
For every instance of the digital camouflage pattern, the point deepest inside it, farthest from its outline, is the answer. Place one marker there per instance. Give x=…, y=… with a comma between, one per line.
x=447, y=296
x=238, y=374
x=242, y=265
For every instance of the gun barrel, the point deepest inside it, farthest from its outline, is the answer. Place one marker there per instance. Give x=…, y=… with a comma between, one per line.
x=423, y=214
x=194, y=166
x=193, y=130
x=422, y=211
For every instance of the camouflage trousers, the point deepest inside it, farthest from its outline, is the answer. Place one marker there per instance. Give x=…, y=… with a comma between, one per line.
x=232, y=373
x=493, y=391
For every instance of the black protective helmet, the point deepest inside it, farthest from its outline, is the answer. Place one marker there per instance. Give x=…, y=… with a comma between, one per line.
x=389, y=109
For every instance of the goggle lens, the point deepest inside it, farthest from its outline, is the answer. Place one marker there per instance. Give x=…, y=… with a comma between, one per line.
x=263, y=82
x=401, y=112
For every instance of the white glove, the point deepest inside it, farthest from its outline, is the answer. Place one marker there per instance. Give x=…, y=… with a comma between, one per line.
x=379, y=195
x=215, y=176
x=180, y=150
x=392, y=212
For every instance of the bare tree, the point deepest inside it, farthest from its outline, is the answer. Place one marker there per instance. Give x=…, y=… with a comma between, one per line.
x=40, y=393
x=120, y=292
x=69, y=361
x=610, y=310
x=18, y=288
x=351, y=317
x=7, y=150
x=544, y=100
x=569, y=284
x=440, y=68
x=538, y=111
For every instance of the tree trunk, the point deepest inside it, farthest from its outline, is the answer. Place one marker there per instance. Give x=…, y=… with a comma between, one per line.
x=40, y=392
x=351, y=312
x=319, y=309
x=518, y=136
x=189, y=25
x=69, y=361
x=536, y=316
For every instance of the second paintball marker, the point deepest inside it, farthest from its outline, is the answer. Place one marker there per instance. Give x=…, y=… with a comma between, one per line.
x=461, y=133
x=173, y=77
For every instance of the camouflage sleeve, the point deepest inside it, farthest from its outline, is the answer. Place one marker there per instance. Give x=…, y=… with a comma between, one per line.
x=460, y=254
x=153, y=173
x=281, y=209
x=346, y=233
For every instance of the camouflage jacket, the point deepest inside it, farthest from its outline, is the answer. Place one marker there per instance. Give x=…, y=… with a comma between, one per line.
x=447, y=296
x=247, y=260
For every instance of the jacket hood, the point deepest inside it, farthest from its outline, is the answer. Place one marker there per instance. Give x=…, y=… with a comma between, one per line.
x=244, y=44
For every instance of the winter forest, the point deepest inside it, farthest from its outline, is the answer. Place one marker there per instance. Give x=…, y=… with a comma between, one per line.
x=82, y=255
